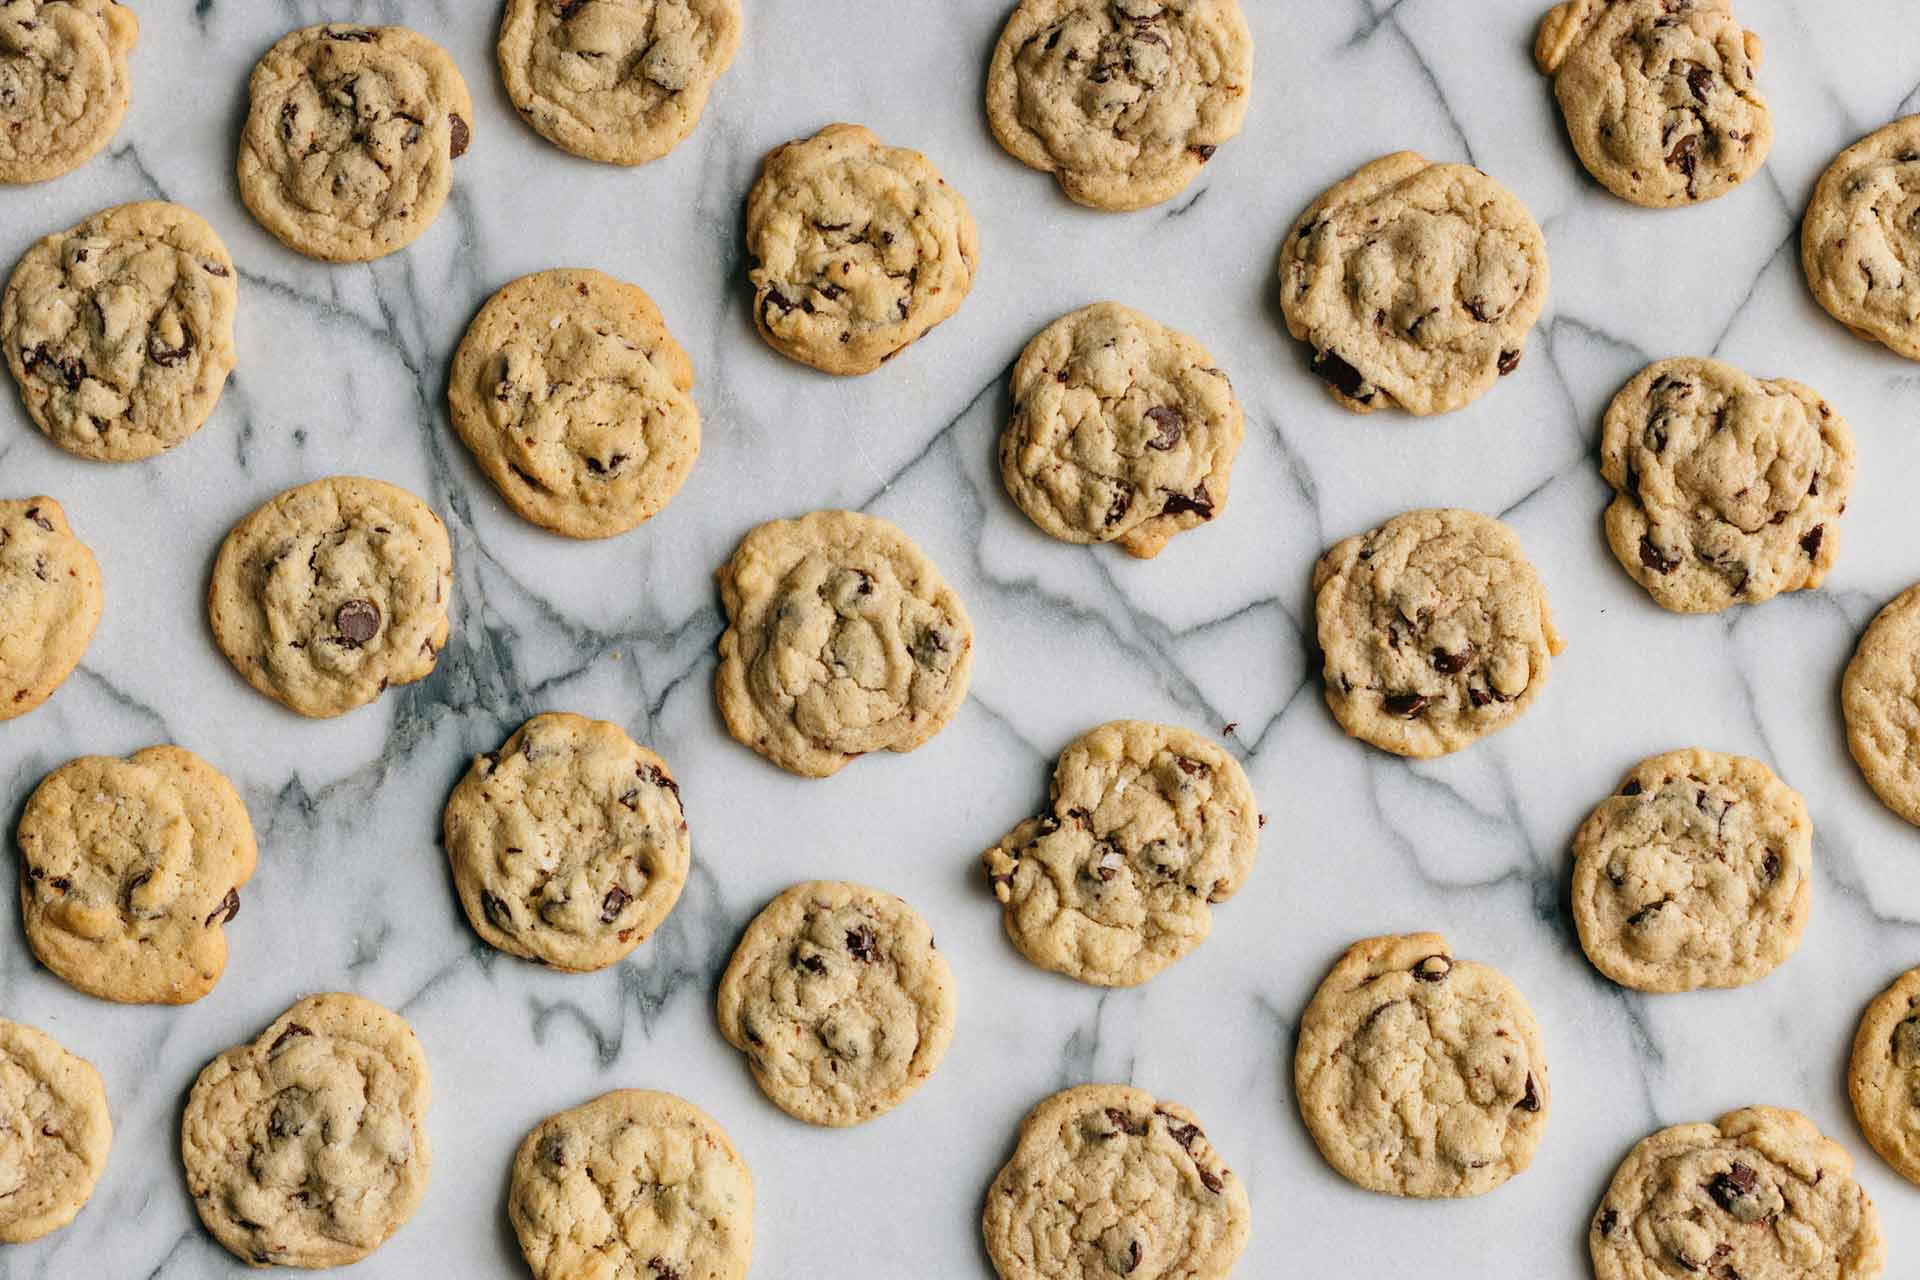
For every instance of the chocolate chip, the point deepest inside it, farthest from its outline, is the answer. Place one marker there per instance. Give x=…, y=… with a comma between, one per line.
x=163, y=355
x=812, y=964
x=1182, y=1133
x=1645, y=913
x=1735, y=1184
x=498, y=913
x=775, y=298
x=1699, y=80
x=1203, y=151
x=1530, y=1102
x=659, y=777
x=1652, y=557
x=33, y=514
x=1133, y=1246
x=357, y=621
x=662, y=1270
x=354, y=34
x=1126, y=1123
x=1632, y=789
x=1199, y=503
x=1122, y=500
x=1171, y=426
x=863, y=945
x=1685, y=155
x=555, y=1147
x=294, y=1031
x=1608, y=1220
x=1433, y=969
x=1211, y=1181
x=1452, y=663
x=65, y=369
x=1509, y=361
x=1332, y=367
x=215, y=269
x=61, y=883
x=613, y=904
x=1406, y=705
x=611, y=465
x=458, y=136
x=1109, y=863
x=1814, y=537
x=1771, y=866
x=229, y=905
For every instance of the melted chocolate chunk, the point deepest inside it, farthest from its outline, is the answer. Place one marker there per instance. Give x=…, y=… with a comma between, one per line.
x=1332, y=367
x=1452, y=663
x=863, y=945
x=163, y=355
x=357, y=621
x=1814, y=537
x=1433, y=969
x=1200, y=503
x=1652, y=557
x=229, y=906
x=458, y=136
x=1171, y=426
x=293, y=1032
x=613, y=904
x=1406, y=705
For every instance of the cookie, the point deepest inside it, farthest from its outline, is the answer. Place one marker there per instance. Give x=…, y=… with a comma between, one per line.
x=1148, y=826
x=1880, y=697
x=840, y=1002
x=1884, y=1076
x=308, y=1147
x=1122, y=431
x=620, y=81
x=1435, y=631
x=1107, y=1180
x=633, y=1184
x=1727, y=488
x=49, y=602
x=1122, y=101
x=1658, y=96
x=1419, y=1074
x=842, y=638
x=120, y=330
x=568, y=844
x=858, y=248
x=332, y=592
x=1759, y=1193
x=54, y=1133
x=575, y=401
x=64, y=85
x=348, y=150
x=1858, y=241
x=1414, y=283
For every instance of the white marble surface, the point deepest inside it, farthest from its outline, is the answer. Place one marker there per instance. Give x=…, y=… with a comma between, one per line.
x=343, y=370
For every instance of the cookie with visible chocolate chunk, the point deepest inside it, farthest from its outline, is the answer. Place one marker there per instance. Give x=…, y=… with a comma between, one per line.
x=54, y=1133
x=1880, y=698
x=1858, y=242
x=64, y=84
x=49, y=602
x=1883, y=1077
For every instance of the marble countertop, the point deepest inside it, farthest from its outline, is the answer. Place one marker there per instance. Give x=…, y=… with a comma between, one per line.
x=343, y=369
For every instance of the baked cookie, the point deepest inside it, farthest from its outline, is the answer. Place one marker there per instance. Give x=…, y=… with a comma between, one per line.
x=1122, y=431
x=120, y=330
x=620, y=81
x=1884, y=1076
x=1880, y=697
x=1108, y=1180
x=49, y=602
x=1418, y=1074
x=1759, y=1193
x=1148, y=826
x=308, y=1147
x=859, y=248
x=54, y=1133
x=1858, y=242
x=64, y=85
x=575, y=401
x=348, y=149
x=634, y=1184
x=1658, y=95
x=1435, y=631
x=842, y=638
x=331, y=592
x=840, y=1002
x=1727, y=488
x=1122, y=101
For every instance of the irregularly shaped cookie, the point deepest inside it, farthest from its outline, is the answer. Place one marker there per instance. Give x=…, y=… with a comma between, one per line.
x=54, y=1133
x=1727, y=488
x=1880, y=696
x=1107, y=1180
x=1858, y=242
x=349, y=144
x=1418, y=1074
x=308, y=1147
x=1658, y=95
x=634, y=1185
x=840, y=1002
x=574, y=399
x=1149, y=825
x=1123, y=101
x=64, y=85
x=1884, y=1075
x=1759, y=1193
x=1415, y=283
x=859, y=248
x=568, y=844
x=1121, y=431
x=842, y=638
x=1435, y=631
x=49, y=602
x=120, y=330
x=621, y=81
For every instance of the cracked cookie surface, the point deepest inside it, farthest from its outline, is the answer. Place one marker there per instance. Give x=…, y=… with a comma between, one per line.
x=1859, y=244
x=49, y=602
x=54, y=1133
x=64, y=84
x=1883, y=1076
x=1880, y=698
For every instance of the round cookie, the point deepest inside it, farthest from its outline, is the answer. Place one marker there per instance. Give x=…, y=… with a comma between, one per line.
x=1858, y=241
x=840, y=1002
x=332, y=592
x=1415, y=284
x=308, y=1147
x=858, y=248
x=1658, y=97
x=49, y=602
x=1435, y=631
x=1148, y=826
x=575, y=401
x=1123, y=101
x=54, y=1133
x=568, y=844
x=1418, y=1074
x=1727, y=488
x=1883, y=1077
x=64, y=85
x=1122, y=431
x=348, y=150
x=1880, y=698
x=1108, y=1180
x=633, y=1184
x=1760, y=1194
x=620, y=81
x=842, y=638
x=120, y=330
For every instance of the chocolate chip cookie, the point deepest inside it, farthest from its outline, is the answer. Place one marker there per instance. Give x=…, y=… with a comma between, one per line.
x=1122, y=101
x=1880, y=697
x=332, y=592
x=49, y=602
x=1858, y=242
x=842, y=638
x=308, y=1147
x=54, y=1133
x=1122, y=431
x=1415, y=284
x=859, y=249
x=64, y=85
x=1884, y=1076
